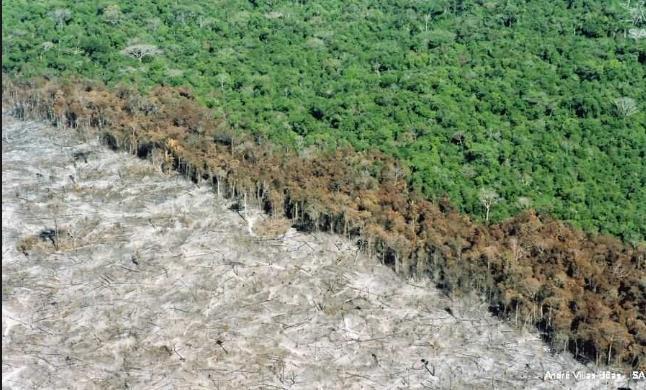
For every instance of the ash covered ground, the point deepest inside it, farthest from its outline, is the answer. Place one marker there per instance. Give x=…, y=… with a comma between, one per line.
x=118, y=276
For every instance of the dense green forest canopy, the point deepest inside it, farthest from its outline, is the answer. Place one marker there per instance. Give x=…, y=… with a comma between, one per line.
x=500, y=105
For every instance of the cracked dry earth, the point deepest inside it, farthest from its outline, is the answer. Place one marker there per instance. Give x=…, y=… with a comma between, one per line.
x=149, y=281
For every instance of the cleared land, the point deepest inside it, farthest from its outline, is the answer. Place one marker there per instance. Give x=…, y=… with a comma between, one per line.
x=117, y=276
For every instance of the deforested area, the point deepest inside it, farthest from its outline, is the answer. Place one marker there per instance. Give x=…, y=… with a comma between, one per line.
x=118, y=275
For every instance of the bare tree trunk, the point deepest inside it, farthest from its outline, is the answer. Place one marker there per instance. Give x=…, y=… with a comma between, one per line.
x=245, y=204
x=397, y=265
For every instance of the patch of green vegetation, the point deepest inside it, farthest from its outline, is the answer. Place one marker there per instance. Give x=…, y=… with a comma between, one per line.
x=508, y=105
